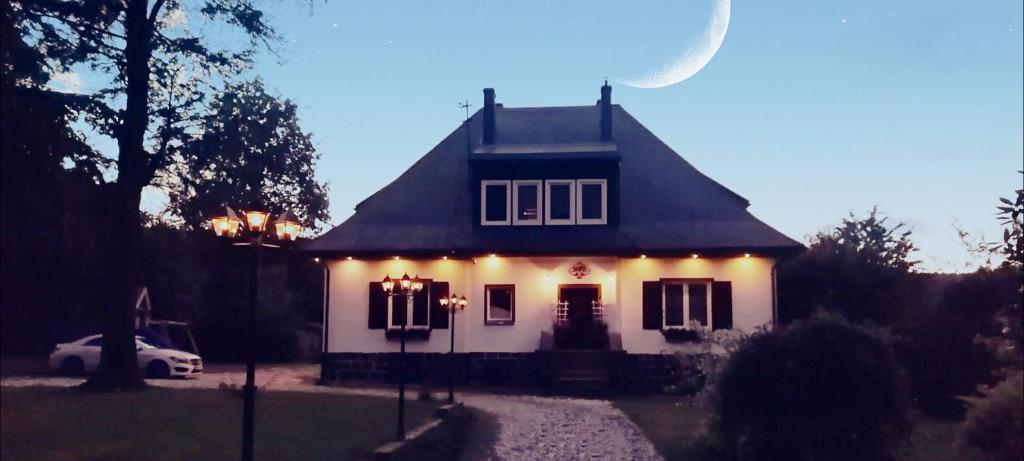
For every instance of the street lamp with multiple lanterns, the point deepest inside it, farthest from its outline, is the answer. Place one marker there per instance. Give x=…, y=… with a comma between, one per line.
x=251, y=232
x=406, y=288
x=453, y=304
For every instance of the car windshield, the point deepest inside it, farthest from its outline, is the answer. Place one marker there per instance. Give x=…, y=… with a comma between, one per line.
x=144, y=345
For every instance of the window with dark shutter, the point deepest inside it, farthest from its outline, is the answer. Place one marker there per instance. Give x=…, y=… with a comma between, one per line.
x=378, y=305
x=721, y=305
x=420, y=304
x=438, y=314
x=652, y=305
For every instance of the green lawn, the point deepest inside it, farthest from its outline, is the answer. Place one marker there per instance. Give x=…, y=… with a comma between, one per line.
x=676, y=425
x=69, y=424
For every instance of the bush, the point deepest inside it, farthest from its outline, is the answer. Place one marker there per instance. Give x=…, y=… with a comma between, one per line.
x=995, y=425
x=821, y=389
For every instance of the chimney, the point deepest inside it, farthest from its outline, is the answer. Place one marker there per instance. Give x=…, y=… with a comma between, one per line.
x=606, y=112
x=489, y=125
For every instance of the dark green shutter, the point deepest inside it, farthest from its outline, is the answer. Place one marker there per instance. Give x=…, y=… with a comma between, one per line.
x=438, y=314
x=652, y=305
x=378, y=318
x=721, y=305
x=420, y=305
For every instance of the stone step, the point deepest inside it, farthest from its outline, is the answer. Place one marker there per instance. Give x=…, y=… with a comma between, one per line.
x=580, y=360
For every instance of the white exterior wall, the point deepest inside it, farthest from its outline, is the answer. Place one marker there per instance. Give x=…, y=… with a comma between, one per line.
x=536, y=283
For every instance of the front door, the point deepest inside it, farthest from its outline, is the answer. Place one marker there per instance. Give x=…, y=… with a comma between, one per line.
x=581, y=331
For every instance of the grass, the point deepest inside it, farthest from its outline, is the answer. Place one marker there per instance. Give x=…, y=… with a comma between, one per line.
x=171, y=424
x=676, y=426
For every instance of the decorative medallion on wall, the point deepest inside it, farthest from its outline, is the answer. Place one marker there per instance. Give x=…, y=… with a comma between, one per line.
x=579, y=270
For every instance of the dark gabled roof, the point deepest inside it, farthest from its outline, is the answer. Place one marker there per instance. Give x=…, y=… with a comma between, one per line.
x=666, y=205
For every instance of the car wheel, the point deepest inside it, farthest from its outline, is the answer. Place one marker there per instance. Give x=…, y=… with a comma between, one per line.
x=72, y=366
x=158, y=369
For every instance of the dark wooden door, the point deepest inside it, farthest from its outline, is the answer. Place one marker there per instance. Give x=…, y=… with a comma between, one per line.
x=581, y=332
x=581, y=304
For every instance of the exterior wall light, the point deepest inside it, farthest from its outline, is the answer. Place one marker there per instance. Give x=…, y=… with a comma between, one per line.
x=643, y=256
x=694, y=256
x=746, y=255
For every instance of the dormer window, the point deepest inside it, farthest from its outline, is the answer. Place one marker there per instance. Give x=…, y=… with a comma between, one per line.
x=495, y=203
x=560, y=202
x=526, y=203
x=592, y=195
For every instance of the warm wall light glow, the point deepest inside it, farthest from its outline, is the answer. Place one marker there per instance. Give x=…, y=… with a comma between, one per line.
x=694, y=256
x=493, y=255
x=643, y=256
x=397, y=258
x=316, y=260
x=349, y=258
x=746, y=255
x=444, y=258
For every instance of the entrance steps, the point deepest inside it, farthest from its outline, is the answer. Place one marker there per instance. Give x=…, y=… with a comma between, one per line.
x=580, y=373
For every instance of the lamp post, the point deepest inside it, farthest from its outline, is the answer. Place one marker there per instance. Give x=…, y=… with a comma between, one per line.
x=407, y=287
x=454, y=304
x=251, y=233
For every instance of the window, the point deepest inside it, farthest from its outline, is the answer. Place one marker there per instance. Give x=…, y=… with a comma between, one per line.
x=593, y=201
x=560, y=202
x=526, y=202
x=495, y=202
x=686, y=303
x=499, y=304
x=413, y=308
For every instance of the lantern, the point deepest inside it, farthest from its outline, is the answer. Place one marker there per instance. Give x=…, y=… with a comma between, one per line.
x=287, y=227
x=463, y=302
x=387, y=284
x=225, y=225
x=406, y=282
x=443, y=301
x=417, y=284
x=256, y=220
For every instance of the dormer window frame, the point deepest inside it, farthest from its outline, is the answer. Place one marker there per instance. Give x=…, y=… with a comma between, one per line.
x=548, y=221
x=484, y=184
x=539, y=187
x=580, y=220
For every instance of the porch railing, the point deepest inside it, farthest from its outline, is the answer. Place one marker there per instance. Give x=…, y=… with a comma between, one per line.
x=560, y=312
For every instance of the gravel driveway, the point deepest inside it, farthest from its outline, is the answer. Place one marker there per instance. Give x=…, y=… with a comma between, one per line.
x=531, y=427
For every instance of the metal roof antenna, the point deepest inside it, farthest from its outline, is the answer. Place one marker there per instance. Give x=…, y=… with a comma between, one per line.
x=469, y=138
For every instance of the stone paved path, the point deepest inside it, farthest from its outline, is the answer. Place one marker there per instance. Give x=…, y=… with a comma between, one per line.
x=531, y=427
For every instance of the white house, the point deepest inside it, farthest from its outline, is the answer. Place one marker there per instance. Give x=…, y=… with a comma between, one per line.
x=567, y=228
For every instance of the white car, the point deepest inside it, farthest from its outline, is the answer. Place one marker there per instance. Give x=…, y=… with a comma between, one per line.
x=83, y=356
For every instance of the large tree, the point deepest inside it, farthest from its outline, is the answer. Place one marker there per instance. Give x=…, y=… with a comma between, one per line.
x=249, y=148
x=155, y=72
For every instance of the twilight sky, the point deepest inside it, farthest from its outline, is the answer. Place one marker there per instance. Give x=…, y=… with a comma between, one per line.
x=810, y=109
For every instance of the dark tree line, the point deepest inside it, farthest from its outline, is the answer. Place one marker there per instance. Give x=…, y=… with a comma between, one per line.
x=73, y=240
x=951, y=331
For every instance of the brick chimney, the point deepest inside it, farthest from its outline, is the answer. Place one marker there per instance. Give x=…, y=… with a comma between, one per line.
x=606, y=112
x=489, y=124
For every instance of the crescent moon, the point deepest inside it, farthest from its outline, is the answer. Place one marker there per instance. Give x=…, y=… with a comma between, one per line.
x=697, y=56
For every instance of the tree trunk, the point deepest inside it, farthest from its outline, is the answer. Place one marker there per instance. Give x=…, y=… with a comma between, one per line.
x=119, y=367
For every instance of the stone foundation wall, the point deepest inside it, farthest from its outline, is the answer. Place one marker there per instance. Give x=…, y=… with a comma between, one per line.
x=482, y=368
x=633, y=373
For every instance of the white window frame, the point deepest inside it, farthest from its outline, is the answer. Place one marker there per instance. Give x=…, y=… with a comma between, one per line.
x=511, y=319
x=572, y=202
x=686, y=303
x=409, y=303
x=483, y=202
x=536, y=183
x=604, y=201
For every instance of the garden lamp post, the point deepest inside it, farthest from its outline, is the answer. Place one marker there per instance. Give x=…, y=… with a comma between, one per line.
x=454, y=304
x=251, y=232
x=406, y=288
